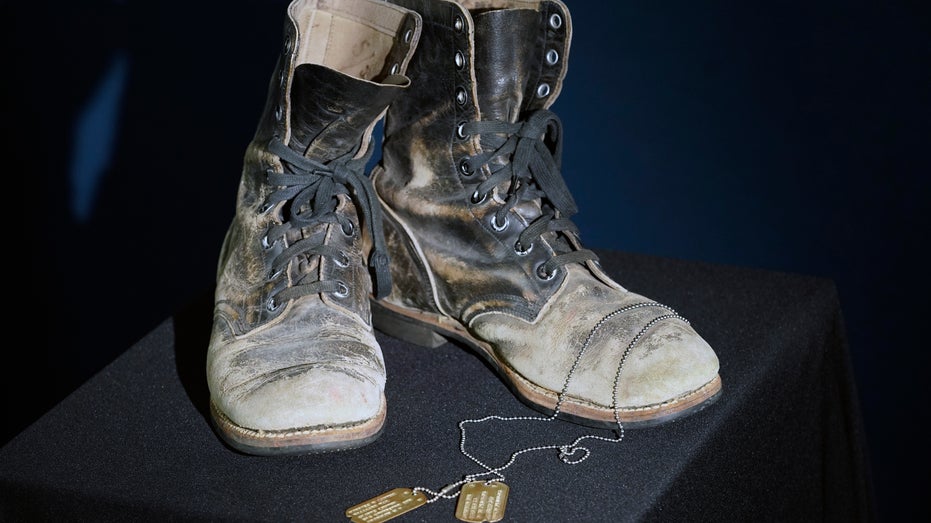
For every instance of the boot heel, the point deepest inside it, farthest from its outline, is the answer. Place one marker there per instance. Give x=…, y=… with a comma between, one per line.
x=404, y=328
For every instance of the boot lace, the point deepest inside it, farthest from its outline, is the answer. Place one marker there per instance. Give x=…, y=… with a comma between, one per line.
x=310, y=190
x=534, y=150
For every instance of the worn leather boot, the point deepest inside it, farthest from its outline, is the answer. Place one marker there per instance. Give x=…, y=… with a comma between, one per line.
x=478, y=228
x=293, y=365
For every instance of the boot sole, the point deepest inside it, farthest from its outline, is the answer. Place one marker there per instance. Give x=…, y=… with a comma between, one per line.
x=432, y=331
x=308, y=440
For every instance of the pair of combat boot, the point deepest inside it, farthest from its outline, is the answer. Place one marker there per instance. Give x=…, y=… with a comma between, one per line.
x=462, y=232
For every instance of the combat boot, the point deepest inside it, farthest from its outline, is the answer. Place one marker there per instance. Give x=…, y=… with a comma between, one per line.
x=478, y=226
x=293, y=365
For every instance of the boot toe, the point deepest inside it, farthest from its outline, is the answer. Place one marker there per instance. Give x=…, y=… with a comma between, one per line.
x=668, y=363
x=316, y=397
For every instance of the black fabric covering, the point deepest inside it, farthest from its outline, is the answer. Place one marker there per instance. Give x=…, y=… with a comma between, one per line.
x=784, y=442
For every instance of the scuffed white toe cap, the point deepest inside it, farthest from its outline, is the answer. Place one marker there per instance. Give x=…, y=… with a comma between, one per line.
x=667, y=363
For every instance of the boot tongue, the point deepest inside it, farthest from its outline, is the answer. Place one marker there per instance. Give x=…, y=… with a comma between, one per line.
x=507, y=54
x=505, y=57
x=331, y=111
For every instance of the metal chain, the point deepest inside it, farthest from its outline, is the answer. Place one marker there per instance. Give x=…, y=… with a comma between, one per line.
x=566, y=452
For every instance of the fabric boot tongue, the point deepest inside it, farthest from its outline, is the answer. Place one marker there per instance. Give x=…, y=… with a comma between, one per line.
x=506, y=53
x=331, y=111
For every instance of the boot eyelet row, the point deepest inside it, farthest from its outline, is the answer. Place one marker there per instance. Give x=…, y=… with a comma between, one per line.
x=499, y=227
x=543, y=275
x=477, y=198
x=342, y=291
x=519, y=249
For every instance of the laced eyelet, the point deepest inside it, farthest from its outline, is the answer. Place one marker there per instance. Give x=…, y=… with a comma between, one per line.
x=271, y=305
x=520, y=251
x=477, y=198
x=342, y=290
x=460, y=131
x=555, y=21
x=552, y=56
x=543, y=275
x=501, y=227
x=276, y=274
x=465, y=167
x=458, y=24
x=395, y=68
x=342, y=260
x=264, y=208
x=349, y=229
x=460, y=60
x=265, y=243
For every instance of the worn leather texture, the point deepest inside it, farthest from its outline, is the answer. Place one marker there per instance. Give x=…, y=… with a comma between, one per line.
x=312, y=360
x=454, y=262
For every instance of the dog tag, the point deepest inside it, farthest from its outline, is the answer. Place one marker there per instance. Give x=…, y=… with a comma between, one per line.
x=387, y=506
x=481, y=502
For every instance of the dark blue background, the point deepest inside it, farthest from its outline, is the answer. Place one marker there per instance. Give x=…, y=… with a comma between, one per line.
x=790, y=136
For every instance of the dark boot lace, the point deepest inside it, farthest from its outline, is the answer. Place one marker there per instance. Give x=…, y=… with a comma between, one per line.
x=311, y=188
x=534, y=148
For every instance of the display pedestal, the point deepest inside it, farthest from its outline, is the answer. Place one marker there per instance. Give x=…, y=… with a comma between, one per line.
x=783, y=443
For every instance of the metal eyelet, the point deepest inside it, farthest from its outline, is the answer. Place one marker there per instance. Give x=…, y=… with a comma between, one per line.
x=265, y=244
x=343, y=260
x=503, y=226
x=543, y=90
x=264, y=208
x=460, y=131
x=458, y=24
x=477, y=198
x=395, y=68
x=461, y=96
x=460, y=60
x=288, y=45
x=465, y=167
x=543, y=275
x=271, y=305
x=408, y=35
x=281, y=78
x=278, y=112
x=552, y=56
x=520, y=251
x=350, y=230
x=555, y=21
x=342, y=290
